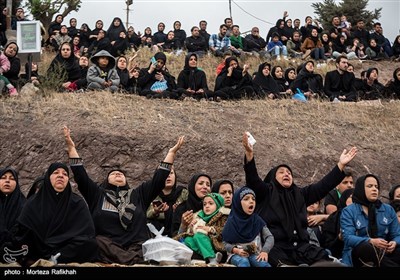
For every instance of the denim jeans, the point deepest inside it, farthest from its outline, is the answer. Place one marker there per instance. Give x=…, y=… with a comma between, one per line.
x=251, y=261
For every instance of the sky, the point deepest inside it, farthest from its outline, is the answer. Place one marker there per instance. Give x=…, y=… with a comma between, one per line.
x=261, y=13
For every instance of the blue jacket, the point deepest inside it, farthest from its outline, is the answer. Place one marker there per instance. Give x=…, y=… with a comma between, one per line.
x=354, y=227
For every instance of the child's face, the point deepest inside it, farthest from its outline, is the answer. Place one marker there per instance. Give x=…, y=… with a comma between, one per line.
x=135, y=73
x=248, y=203
x=103, y=61
x=209, y=205
x=313, y=208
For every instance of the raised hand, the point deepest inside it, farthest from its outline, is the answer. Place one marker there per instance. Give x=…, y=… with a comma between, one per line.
x=67, y=135
x=172, y=152
x=247, y=147
x=346, y=157
x=72, y=152
x=178, y=145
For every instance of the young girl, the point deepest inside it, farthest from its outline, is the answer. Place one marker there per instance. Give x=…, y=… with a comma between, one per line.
x=201, y=230
x=246, y=237
x=4, y=67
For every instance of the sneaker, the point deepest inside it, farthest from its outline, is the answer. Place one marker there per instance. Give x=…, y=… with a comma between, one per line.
x=13, y=91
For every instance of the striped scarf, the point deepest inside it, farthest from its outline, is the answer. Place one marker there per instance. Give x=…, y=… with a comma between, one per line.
x=121, y=200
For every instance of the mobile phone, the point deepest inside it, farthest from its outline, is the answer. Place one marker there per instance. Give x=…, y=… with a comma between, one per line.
x=153, y=60
x=251, y=139
x=157, y=203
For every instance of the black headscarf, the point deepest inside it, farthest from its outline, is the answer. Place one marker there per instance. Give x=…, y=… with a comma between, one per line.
x=265, y=83
x=66, y=68
x=55, y=217
x=10, y=205
x=120, y=197
x=286, y=203
x=215, y=188
x=360, y=198
x=236, y=73
x=241, y=227
x=190, y=71
x=193, y=202
x=392, y=191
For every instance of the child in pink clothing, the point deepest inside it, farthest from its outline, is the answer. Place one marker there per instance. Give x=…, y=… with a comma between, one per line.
x=4, y=67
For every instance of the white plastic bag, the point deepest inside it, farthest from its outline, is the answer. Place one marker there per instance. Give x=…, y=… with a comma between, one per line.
x=165, y=250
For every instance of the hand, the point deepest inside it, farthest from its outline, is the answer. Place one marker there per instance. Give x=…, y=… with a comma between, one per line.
x=187, y=217
x=263, y=256
x=248, y=148
x=163, y=207
x=159, y=77
x=391, y=246
x=68, y=139
x=178, y=145
x=346, y=157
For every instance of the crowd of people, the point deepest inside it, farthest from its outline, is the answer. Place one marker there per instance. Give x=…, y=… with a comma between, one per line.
x=270, y=222
x=76, y=66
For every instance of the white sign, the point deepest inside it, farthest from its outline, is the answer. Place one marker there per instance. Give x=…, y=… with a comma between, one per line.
x=28, y=36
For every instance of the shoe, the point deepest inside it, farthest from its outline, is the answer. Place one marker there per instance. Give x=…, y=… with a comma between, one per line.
x=13, y=91
x=218, y=257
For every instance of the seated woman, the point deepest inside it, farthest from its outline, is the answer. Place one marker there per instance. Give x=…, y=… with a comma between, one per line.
x=234, y=82
x=11, y=202
x=264, y=84
x=308, y=82
x=56, y=223
x=198, y=187
x=64, y=69
x=160, y=212
x=118, y=210
x=370, y=229
x=192, y=81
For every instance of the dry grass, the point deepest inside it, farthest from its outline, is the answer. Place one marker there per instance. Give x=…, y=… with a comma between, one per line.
x=135, y=133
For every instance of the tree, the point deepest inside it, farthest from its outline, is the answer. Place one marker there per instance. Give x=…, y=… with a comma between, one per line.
x=352, y=9
x=44, y=10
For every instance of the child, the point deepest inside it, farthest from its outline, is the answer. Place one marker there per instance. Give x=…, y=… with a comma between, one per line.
x=199, y=232
x=276, y=48
x=4, y=67
x=102, y=75
x=246, y=237
x=134, y=75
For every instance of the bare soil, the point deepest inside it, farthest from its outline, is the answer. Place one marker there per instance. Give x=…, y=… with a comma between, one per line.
x=135, y=133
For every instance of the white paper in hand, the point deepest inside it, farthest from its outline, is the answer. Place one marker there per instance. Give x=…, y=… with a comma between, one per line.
x=251, y=139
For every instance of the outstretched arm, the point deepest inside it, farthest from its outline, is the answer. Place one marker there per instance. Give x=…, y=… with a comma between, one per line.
x=170, y=157
x=247, y=147
x=346, y=157
x=72, y=152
